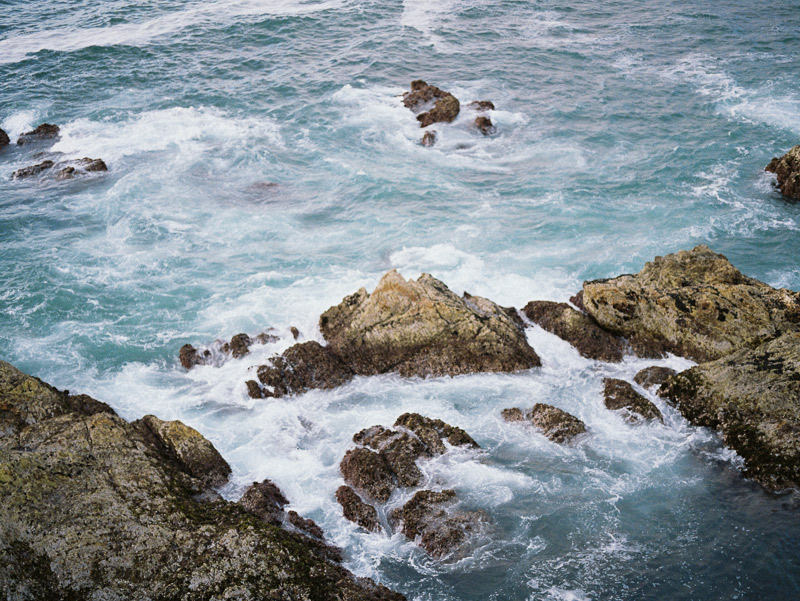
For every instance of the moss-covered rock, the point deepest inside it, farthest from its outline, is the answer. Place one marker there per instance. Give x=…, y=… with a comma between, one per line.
x=94, y=507
x=753, y=398
x=691, y=303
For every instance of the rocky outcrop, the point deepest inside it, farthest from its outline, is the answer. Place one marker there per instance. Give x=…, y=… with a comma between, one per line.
x=219, y=351
x=485, y=125
x=420, y=328
x=368, y=473
x=265, y=501
x=303, y=367
x=429, y=519
x=580, y=330
x=32, y=170
x=95, y=507
x=4, y=139
x=653, y=376
x=752, y=397
x=556, y=424
x=428, y=138
x=45, y=131
x=445, y=106
x=356, y=510
x=619, y=395
x=787, y=168
x=691, y=303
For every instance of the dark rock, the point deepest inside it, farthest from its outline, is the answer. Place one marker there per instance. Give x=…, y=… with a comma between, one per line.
x=485, y=125
x=577, y=300
x=357, y=510
x=303, y=367
x=32, y=170
x=787, y=168
x=513, y=414
x=429, y=138
x=432, y=432
x=444, y=110
x=694, y=304
x=254, y=390
x=4, y=139
x=45, y=131
x=441, y=533
x=559, y=426
x=96, y=508
x=239, y=345
x=653, y=376
x=265, y=501
x=368, y=472
x=265, y=338
x=189, y=356
x=620, y=395
x=580, y=330
x=445, y=106
x=400, y=450
x=196, y=455
x=93, y=165
x=752, y=397
x=482, y=105
x=295, y=332
x=420, y=328
x=306, y=525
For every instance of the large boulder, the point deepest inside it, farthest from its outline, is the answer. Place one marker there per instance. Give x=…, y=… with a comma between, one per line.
x=619, y=395
x=94, y=508
x=787, y=168
x=580, y=330
x=691, y=303
x=303, y=367
x=445, y=106
x=556, y=424
x=753, y=398
x=421, y=328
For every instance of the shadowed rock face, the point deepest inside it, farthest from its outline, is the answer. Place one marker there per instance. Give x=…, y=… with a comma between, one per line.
x=420, y=328
x=4, y=140
x=620, y=395
x=753, y=398
x=581, y=331
x=691, y=303
x=95, y=507
x=787, y=168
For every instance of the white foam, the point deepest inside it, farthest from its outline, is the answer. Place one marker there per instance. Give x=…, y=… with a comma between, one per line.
x=20, y=122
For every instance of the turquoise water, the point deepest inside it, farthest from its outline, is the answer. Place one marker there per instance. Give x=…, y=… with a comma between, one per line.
x=625, y=131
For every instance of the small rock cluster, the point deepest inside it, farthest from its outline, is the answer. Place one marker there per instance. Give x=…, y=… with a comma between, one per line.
x=219, y=350
x=386, y=461
x=556, y=424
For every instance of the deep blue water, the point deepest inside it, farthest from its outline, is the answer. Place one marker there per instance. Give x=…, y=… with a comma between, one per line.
x=262, y=166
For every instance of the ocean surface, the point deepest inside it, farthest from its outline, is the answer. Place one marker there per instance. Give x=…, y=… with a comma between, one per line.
x=262, y=167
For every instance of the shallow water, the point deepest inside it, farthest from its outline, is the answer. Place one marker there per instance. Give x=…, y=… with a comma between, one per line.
x=625, y=131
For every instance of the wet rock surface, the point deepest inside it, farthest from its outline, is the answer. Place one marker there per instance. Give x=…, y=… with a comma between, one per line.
x=653, y=376
x=4, y=139
x=445, y=106
x=81, y=167
x=580, y=330
x=429, y=138
x=93, y=507
x=219, y=351
x=752, y=397
x=265, y=501
x=619, y=395
x=485, y=125
x=421, y=328
x=691, y=303
x=787, y=169
x=303, y=367
x=556, y=424
x=356, y=510
x=368, y=473
x=45, y=131
x=32, y=170
x=481, y=105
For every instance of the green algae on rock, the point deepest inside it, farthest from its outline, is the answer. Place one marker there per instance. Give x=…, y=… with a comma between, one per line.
x=753, y=398
x=94, y=507
x=691, y=303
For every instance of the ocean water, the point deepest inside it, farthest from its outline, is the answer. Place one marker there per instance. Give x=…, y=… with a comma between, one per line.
x=262, y=166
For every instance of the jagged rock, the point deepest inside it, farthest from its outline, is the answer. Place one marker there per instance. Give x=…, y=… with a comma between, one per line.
x=367, y=472
x=32, y=170
x=239, y=345
x=302, y=367
x=95, y=508
x=80, y=167
x=482, y=105
x=441, y=533
x=787, y=168
x=190, y=356
x=429, y=138
x=356, y=510
x=4, y=139
x=513, y=414
x=399, y=449
x=559, y=426
x=653, y=376
x=433, y=432
x=580, y=330
x=306, y=525
x=445, y=108
x=485, y=125
x=752, y=397
x=196, y=455
x=254, y=390
x=691, y=303
x=620, y=395
x=45, y=131
x=265, y=501
x=420, y=328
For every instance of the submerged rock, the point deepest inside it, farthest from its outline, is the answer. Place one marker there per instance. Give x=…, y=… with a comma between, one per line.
x=97, y=508
x=752, y=397
x=653, y=376
x=620, y=395
x=691, y=303
x=303, y=367
x=420, y=328
x=429, y=138
x=356, y=510
x=45, y=131
x=81, y=167
x=485, y=125
x=558, y=425
x=787, y=168
x=481, y=105
x=580, y=330
x=4, y=139
x=445, y=106
x=219, y=351
x=32, y=170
